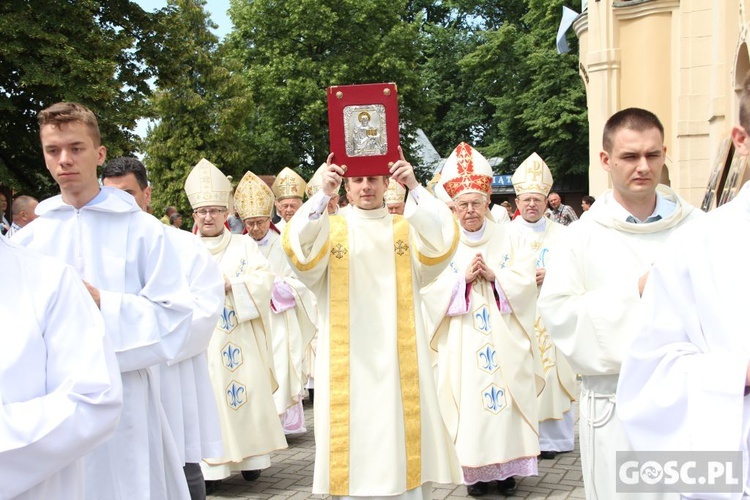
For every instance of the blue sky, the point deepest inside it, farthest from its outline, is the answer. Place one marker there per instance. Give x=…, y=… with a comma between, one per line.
x=216, y=8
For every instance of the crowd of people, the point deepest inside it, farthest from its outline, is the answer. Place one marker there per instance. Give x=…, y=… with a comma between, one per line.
x=440, y=340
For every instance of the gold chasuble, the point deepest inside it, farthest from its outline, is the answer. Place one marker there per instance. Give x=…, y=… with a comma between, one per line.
x=373, y=373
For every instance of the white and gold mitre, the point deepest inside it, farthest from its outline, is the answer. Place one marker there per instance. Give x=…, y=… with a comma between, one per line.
x=316, y=181
x=288, y=184
x=395, y=193
x=432, y=183
x=533, y=176
x=207, y=186
x=466, y=171
x=434, y=187
x=253, y=197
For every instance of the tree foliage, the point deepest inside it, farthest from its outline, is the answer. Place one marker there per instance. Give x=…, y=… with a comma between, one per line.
x=467, y=70
x=537, y=94
x=291, y=52
x=199, y=106
x=458, y=112
x=495, y=80
x=96, y=52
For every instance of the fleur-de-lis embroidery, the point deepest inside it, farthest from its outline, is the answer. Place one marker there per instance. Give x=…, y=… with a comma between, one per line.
x=228, y=320
x=482, y=320
x=339, y=251
x=235, y=395
x=536, y=245
x=232, y=356
x=494, y=398
x=401, y=247
x=488, y=358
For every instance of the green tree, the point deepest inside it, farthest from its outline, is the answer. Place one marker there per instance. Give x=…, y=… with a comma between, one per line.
x=461, y=97
x=459, y=113
x=291, y=51
x=537, y=94
x=199, y=106
x=96, y=52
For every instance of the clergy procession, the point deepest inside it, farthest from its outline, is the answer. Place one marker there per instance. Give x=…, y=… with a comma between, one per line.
x=438, y=340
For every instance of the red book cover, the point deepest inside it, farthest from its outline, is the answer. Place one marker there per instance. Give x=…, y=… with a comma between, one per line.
x=363, y=127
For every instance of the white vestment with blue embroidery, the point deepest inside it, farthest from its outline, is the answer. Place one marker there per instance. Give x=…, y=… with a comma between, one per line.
x=240, y=360
x=556, y=429
x=488, y=369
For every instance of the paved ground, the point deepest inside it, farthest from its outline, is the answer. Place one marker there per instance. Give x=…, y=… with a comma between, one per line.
x=290, y=476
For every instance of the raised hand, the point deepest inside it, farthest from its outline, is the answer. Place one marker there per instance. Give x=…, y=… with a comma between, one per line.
x=332, y=177
x=403, y=172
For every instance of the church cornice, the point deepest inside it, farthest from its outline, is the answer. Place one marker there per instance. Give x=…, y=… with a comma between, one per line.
x=631, y=9
x=581, y=25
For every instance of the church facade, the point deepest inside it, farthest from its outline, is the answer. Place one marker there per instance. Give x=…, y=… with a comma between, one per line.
x=685, y=60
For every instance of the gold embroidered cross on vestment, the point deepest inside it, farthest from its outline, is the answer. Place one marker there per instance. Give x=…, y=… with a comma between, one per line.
x=339, y=251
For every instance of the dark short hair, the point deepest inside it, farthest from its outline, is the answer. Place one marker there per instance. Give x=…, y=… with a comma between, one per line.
x=63, y=113
x=631, y=118
x=745, y=104
x=589, y=200
x=124, y=165
x=174, y=217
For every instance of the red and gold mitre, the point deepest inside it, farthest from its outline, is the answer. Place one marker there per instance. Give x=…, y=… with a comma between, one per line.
x=288, y=184
x=253, y=197
x=466, y=171
x=532, y=176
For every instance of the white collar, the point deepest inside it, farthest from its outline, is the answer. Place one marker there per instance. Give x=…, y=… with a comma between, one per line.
x=475, y=235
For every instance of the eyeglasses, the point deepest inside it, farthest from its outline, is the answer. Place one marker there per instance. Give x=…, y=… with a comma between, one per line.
x=213, y=212
x=463, y=206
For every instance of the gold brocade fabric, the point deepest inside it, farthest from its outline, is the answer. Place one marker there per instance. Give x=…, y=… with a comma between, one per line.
x=407, y=353
x=285, y=243
x=253, y=197
x=339, y=357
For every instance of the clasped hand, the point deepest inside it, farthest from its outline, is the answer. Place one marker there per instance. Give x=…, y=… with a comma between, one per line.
x=478, y=268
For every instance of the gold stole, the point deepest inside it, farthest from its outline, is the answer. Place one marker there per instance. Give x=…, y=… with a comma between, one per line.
x=339, y=356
